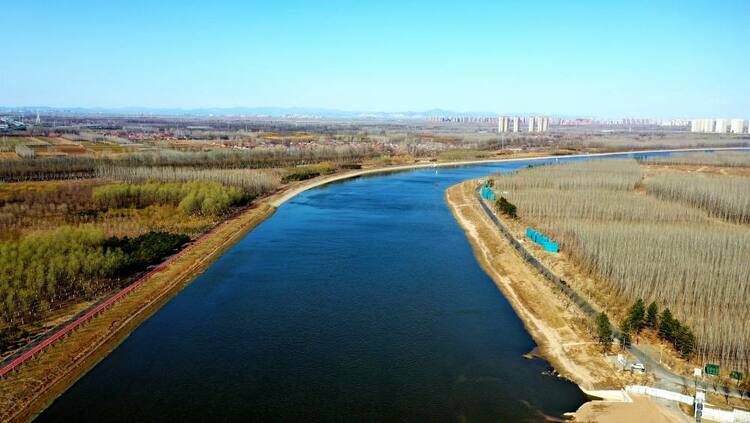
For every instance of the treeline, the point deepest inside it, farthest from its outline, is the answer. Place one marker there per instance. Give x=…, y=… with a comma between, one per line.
x=254, y=182
x=199, y=197
x=44, y=269
x=611, y=174
x=49, y=198
x=728, y=159
x=37, y=205
x=302, y=173
x=600, y=205
x=42, y=169
x=699, y=271
x=665, y=325
x=256, y=158
x=72, y=167
x=642, y=246
x=144, y=250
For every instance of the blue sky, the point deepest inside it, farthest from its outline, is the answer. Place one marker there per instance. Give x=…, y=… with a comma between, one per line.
x=601, y=58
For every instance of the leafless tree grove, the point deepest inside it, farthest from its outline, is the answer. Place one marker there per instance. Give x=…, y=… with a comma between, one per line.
x=661, y=245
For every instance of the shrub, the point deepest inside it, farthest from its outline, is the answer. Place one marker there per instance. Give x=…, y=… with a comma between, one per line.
x=506, y=207
x=302, y=173
x=145, y=249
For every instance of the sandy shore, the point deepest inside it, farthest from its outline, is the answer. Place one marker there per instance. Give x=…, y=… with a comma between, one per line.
x=29, y=389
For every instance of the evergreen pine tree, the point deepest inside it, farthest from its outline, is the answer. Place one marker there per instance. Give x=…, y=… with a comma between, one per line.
x=625, y=338
x=652, y=316
x=684, y=341
x=604, y=331
x=666, y=325
x=636, y=315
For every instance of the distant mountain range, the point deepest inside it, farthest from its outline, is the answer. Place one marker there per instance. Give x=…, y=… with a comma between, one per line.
x=248, y=111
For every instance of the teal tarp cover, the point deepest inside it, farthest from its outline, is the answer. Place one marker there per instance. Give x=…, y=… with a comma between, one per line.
x=542, y=240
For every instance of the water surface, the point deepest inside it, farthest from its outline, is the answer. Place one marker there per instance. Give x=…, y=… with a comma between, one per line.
x=357, y=301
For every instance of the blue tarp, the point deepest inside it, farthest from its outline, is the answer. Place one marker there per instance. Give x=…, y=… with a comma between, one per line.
x=542, y=240
x=487, y=193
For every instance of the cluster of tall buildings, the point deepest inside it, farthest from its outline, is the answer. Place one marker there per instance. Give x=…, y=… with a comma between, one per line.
x=719, y=126
x=462, y=119
x=514, y=123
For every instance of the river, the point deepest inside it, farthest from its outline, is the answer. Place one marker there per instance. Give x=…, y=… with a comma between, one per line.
x=357, y=301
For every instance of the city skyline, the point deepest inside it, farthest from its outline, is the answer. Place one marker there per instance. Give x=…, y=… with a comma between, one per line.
x=583, y=59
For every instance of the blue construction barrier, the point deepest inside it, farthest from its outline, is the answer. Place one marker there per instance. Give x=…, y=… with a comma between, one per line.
x=488, y=193
x=542, y=240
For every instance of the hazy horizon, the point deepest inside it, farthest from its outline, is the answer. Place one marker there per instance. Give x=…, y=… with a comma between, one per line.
x=672, y=60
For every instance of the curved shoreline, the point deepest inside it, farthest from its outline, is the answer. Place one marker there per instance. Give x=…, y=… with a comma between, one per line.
x=168, y=284
x=293, y=192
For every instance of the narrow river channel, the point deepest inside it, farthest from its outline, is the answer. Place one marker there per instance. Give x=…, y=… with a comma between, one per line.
x=357, y=301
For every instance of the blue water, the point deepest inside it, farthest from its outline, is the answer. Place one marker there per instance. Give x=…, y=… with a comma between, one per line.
x=356, y=301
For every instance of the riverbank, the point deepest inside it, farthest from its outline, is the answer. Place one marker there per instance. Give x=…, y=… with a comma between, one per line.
x=557, y=326
x=39, y=381
x=562, y=333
